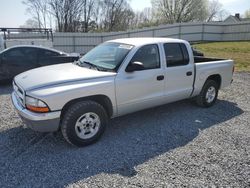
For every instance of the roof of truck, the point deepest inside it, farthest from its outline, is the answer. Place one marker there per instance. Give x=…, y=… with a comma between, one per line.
x=144, y=41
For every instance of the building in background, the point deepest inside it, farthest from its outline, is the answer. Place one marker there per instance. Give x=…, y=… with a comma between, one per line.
x=236, y=18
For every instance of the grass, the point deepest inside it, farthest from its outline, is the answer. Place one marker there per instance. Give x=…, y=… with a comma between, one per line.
x=238, y=51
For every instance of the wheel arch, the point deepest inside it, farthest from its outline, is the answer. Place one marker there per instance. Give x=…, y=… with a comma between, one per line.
x=100, y=99
x=217, y=78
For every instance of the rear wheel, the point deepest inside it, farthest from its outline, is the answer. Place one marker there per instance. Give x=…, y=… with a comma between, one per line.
x=84, y=123
x=208, y=94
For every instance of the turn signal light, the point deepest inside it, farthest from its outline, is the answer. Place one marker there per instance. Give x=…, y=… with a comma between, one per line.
x=37, y=109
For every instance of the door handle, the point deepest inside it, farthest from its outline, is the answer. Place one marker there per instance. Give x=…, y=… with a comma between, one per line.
x=190, y=73
x=160, y=77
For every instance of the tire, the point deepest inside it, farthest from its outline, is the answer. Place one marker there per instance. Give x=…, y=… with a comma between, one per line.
x=83, y=123
x=208, y=94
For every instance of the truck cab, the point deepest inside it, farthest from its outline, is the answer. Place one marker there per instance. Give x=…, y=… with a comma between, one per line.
x=162, y=82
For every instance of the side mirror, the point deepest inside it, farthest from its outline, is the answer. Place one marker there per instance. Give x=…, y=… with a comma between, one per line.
x=134, y=66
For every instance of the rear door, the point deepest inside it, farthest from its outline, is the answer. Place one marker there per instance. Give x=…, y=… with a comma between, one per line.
x=179, y=72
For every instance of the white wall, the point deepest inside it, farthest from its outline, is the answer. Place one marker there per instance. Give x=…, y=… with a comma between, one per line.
x=193, y=32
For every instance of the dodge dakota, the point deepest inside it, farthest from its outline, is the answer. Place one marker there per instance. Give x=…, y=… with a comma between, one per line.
x=116, y=78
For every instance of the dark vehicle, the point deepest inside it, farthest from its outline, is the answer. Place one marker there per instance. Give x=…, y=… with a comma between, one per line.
x=197, y=52
x=18, y=59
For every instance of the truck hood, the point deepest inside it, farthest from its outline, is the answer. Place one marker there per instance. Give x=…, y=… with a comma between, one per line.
x=57, y=74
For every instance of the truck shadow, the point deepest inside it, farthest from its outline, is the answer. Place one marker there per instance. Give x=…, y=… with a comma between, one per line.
x=35, y=159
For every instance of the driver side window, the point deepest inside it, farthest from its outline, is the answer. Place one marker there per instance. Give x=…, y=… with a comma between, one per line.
x=149, y=56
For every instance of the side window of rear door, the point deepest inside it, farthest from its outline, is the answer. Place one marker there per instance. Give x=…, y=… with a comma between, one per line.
x=176, y=54
x=48, y=53
x=30, y=56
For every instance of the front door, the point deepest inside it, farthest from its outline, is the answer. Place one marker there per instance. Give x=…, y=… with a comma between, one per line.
x=141, y=89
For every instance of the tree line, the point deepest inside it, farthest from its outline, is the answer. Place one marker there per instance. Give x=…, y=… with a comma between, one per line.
x=117, y=15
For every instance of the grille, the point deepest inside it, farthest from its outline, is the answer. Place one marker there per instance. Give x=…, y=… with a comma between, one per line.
x=19, y=93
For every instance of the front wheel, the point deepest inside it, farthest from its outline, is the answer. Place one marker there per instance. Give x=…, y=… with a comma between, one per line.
x=208, y=94
x=84, y=123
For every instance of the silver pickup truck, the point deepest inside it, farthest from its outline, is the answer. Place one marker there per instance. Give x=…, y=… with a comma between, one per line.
x=116, y=78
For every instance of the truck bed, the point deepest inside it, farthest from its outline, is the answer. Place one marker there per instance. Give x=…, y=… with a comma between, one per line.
x=200, y=59
x=212, y=66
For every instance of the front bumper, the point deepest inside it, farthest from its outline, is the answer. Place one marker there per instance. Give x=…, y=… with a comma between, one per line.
x=42, y=122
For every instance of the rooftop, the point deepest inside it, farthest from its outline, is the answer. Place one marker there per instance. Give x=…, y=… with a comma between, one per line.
x=144, y=41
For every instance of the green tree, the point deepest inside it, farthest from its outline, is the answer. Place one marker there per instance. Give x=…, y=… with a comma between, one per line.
x=247, y=14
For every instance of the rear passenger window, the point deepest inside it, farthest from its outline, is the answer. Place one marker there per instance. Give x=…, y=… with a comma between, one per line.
x=21, y=55
x=149, y=56
x=176, y=54
x=14, y=53
x=30, y=54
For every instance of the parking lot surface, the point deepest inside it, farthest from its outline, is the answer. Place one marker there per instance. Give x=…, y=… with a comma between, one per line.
x=178, y=144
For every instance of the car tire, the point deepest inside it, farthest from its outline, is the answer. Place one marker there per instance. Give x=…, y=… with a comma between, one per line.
x=83, y=123
x=208, y=94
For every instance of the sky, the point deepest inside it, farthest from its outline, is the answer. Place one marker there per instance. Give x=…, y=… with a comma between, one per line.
x=13, y=12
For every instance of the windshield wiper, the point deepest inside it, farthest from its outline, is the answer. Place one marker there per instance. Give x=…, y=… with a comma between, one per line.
x=80, y=63
x=92, y=65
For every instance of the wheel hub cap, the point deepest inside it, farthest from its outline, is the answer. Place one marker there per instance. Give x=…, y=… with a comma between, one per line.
x=210, y=95
x=87, y=125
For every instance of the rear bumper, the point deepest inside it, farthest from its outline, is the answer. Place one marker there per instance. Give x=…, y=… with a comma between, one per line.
x=42, y=122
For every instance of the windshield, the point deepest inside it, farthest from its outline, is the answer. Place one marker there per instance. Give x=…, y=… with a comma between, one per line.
x=108, y=56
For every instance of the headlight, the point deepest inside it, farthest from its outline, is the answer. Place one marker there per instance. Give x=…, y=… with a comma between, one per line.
x=36, y=105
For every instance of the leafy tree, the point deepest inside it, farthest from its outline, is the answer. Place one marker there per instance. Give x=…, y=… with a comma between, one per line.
x=66, y=13
x=247, y=14
x=114, y=13
x=177, y=11
x=117, y=15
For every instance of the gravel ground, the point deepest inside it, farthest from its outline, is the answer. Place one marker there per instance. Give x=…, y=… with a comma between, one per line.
x=173, y=145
